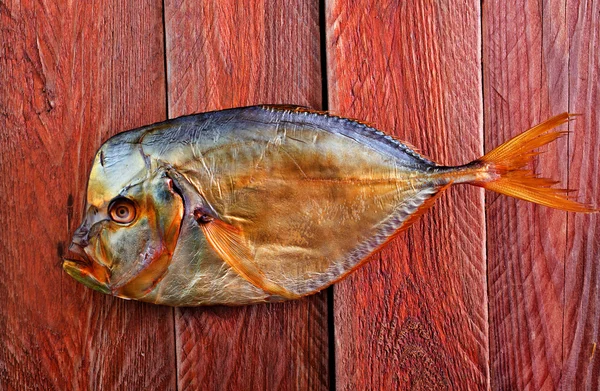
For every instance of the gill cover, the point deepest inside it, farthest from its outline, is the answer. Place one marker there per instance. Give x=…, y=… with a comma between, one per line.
x=127, y=259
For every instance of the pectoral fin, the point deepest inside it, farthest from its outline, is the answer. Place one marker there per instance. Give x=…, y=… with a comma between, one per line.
x=229, y=243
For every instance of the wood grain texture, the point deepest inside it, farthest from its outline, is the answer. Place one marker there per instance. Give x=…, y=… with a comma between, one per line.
x=222, y=55
x=72, y=74
x=416, y=316
x=581, y=335
x=526, y=60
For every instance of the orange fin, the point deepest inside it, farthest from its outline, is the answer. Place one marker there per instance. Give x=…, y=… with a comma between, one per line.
x=231, y=246
x=506, y=174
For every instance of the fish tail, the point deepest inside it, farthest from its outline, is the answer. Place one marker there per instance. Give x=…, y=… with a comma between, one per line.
x=504, y=170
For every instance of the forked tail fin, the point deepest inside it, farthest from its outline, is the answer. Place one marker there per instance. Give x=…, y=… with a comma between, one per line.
x=503, y=169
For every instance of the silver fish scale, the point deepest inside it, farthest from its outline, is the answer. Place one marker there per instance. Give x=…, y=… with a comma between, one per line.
x=351, y=128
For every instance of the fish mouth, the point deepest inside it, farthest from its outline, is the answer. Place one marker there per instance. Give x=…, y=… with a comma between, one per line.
x=78, y=264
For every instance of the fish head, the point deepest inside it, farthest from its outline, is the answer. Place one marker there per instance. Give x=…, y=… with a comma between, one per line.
x=131, y=223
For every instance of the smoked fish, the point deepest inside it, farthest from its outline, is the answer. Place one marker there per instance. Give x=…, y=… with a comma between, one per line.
x=267, y=203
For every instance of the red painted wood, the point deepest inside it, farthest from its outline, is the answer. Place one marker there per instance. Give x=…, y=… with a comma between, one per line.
x=543, y=289
x=581, y=350
x=72, y=74
x=416, y=316
x=526, y=68
x=220, y=55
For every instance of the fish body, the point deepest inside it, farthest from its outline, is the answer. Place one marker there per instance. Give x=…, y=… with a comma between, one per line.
x=264, y=203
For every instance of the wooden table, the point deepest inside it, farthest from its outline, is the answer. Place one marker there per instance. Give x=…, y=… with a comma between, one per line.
x=484, y=292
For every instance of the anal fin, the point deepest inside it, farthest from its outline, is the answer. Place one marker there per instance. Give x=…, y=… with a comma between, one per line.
x=423, y=208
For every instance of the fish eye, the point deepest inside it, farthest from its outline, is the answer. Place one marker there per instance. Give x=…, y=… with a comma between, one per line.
x=121, y=210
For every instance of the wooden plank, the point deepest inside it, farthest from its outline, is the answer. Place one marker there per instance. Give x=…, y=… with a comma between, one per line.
x=581, y=368
x=525, y=81
x=222, y=55
x=72, y=74
x=416, y=316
